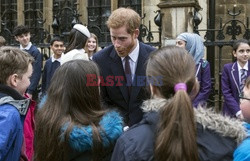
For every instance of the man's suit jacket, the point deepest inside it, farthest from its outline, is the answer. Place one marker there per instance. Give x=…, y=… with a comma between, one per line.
x=115, y=94
x=231, y=88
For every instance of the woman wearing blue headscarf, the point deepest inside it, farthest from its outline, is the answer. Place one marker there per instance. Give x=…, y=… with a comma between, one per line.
x=194, y=45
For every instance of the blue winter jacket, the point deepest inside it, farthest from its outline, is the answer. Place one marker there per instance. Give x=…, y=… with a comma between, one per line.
x=13, y=108
x=242, y=153
x=81, y=138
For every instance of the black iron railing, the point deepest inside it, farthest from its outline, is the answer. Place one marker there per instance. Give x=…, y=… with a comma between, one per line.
x=234, y=28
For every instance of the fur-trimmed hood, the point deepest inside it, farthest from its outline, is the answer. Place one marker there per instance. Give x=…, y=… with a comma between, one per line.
x=81, y=139
x=209, y=119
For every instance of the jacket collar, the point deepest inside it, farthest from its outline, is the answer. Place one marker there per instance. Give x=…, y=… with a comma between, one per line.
x=81, y=138
x=206, y=117
x=10, y=96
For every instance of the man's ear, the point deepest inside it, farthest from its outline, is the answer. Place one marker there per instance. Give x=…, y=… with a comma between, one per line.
x=12, y=80
x=136, y=32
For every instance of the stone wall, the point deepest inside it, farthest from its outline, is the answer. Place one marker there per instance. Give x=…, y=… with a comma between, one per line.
x=178, y=17
x=149, y=9
x=222, y=8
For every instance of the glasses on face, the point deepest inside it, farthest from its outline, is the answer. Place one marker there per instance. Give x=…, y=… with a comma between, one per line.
x=241, y=96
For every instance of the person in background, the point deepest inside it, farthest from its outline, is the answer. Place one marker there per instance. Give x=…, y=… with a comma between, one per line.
x=92, y=45
x=72, y=124
x=171, y=129
x=242, y=151
x=15, y=73
x=124, y=64
x=22, y=35
x=194, y=45
x=233, y=78
x=57, y=46
x=78, y=37
x=2, y=41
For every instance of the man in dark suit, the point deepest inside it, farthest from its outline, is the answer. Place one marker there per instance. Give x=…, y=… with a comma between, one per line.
x=122, y=66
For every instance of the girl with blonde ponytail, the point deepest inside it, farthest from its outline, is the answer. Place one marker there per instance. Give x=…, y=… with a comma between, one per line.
x=171, y=129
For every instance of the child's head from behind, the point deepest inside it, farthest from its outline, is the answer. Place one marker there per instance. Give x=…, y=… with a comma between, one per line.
x=245, y=101
x=69, y=87
x=176, y=136
x=15, y=68
x=241, y=51
x=78, y=37
x=174, y=65
x=70, y=102
x=22, y=35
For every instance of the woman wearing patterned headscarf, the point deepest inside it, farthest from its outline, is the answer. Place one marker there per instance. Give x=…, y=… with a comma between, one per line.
x=194, y=45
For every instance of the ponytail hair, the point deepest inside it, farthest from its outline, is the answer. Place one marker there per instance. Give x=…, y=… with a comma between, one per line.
x=176, y=138
x=176, y=135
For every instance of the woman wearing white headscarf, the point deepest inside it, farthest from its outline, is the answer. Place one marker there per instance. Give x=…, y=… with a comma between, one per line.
x=194, y=45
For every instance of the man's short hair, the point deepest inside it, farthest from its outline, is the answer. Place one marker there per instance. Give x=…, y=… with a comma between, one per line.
x=124, y=16
x=13, y=61
x=21, y=29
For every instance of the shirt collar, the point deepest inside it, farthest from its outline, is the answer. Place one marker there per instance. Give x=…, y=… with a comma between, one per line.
x=135, y=53
x=27, y=47
x=54, y=59
x=244, y=67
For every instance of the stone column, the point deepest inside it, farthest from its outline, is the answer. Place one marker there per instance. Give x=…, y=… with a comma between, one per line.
x=48, y=15
x=82, y=8
x=177, y=18
x=114, y=5
x=20, y=13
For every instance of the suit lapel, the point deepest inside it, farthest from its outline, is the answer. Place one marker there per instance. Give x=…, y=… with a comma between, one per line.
x=117, y=70
x=235, y=75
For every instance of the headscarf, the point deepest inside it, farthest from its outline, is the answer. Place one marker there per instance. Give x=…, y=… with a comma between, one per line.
x=194, y=45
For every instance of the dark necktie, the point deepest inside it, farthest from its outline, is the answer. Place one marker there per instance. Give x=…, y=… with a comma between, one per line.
x=243, y=77
x=128, y=73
